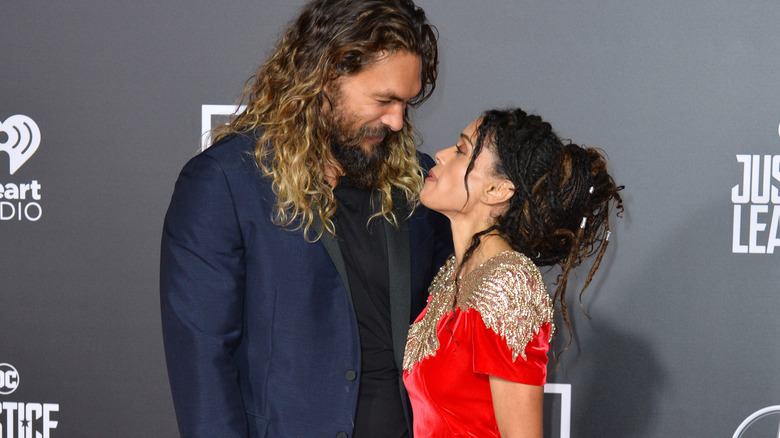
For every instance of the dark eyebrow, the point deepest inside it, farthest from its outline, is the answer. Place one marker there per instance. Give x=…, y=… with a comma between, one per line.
x=388, y=95
x=468, y=140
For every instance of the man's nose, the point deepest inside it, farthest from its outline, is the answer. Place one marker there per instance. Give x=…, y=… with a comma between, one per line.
x=394, y=117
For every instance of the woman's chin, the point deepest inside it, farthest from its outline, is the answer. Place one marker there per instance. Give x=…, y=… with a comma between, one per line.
x=428, y=201
x=424, y=198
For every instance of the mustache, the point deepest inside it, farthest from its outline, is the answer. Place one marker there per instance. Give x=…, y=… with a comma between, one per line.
x=381, y=131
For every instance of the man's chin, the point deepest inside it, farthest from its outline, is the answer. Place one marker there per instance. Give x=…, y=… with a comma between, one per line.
x=370, y=145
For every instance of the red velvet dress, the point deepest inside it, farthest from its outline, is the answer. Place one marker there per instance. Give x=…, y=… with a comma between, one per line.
x=501, y=326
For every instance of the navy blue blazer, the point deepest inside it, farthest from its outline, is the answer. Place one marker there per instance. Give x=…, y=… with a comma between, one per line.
x=260, y=334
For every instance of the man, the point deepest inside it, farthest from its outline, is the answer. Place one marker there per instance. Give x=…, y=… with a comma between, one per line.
x=294, y=252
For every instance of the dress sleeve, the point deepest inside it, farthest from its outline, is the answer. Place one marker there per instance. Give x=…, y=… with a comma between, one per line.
x=492, y=355
x=513, y=323
x=202, y=291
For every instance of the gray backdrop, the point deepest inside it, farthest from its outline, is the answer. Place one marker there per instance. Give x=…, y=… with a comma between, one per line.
x=683, y=96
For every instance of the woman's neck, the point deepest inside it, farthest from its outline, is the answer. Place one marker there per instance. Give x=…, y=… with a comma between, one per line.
x=490, y=244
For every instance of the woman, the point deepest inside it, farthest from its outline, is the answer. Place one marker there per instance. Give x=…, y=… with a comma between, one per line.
x=517, y=198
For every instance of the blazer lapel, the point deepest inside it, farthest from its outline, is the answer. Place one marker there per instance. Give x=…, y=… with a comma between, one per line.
x=334, y=251
x=400, y=275
x=400, y=281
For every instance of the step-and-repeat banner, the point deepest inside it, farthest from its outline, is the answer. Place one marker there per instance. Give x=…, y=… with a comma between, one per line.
x=101, y=103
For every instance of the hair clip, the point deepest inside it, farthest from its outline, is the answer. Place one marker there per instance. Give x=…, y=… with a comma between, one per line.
x=607, y=238
x=585, y=219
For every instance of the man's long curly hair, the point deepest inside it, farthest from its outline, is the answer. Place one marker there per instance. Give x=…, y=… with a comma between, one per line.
x=284, y=98
x=560, y=209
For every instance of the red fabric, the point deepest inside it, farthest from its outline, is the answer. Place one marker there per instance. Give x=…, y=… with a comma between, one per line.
x=450, y=392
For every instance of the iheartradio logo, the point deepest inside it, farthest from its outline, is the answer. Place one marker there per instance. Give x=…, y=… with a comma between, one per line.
x=19, y=201
x=20, y=138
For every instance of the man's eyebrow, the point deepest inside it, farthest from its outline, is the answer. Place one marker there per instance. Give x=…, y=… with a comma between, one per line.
x=388, y=95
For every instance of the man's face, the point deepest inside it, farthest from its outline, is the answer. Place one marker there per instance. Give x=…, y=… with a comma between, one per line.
x=367, y=109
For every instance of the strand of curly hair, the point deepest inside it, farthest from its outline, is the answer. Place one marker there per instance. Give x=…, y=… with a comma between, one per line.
x=284, y=101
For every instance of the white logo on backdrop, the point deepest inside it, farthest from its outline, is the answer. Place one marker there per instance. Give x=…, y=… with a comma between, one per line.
x=22, y=139
x=23, y=419
x=9, y=379
x=767, y=420
x=564, y=389
x=759, y=194
x=207, y=113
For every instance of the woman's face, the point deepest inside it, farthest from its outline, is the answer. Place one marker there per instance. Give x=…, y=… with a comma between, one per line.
x=444, y=190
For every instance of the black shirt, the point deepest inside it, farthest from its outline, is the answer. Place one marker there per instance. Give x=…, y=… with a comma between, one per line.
x=380, y=411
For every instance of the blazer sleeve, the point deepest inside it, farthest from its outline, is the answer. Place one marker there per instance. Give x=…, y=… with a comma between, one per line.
x=202, y=279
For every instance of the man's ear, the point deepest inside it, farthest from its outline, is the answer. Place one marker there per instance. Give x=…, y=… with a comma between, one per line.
x=499, y=192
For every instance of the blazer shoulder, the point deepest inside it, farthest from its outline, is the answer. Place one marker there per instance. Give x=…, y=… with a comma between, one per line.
x=234, y=148
x=232, y=156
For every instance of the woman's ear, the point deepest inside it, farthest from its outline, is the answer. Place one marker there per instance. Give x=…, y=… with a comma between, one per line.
x=498, y=192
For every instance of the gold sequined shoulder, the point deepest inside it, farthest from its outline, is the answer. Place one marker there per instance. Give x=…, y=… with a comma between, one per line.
x=510, y=296
x=422, y=340
x=507, y=291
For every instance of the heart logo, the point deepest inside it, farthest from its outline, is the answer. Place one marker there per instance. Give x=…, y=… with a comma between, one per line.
x=23, y=139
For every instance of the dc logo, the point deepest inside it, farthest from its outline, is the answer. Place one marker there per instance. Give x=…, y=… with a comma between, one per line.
x=9, y=379
x=22, y=138
x=762, y=423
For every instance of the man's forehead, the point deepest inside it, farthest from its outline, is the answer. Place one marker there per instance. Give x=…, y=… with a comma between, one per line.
x=394, y=76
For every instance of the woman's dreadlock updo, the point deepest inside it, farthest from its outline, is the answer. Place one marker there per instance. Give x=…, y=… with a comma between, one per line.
x=559, y=212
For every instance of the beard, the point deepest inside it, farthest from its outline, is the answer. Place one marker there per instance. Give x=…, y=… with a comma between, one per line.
x=363, y=168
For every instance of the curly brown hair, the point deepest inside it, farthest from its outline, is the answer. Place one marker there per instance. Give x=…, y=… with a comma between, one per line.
x=284, y=98
x=559, y=212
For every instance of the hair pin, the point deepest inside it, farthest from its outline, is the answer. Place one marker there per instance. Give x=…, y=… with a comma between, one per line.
x=584, y=219
x=591, y=190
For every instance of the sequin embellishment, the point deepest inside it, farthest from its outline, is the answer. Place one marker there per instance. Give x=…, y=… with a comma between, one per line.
x=507, y=291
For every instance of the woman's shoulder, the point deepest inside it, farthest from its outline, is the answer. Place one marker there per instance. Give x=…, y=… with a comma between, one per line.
x=510, y=296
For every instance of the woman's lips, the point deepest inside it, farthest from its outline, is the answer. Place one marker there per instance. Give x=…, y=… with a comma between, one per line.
x=431, y=176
